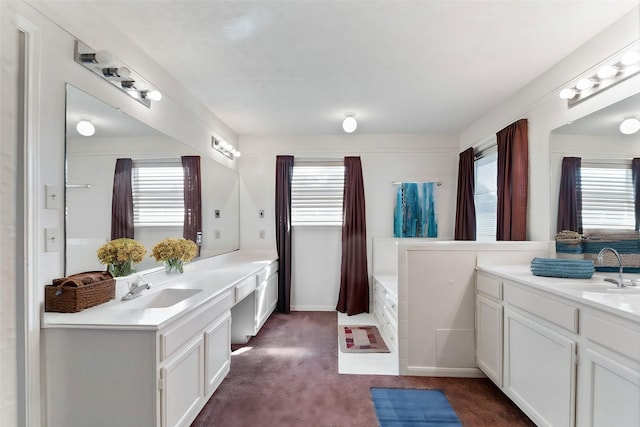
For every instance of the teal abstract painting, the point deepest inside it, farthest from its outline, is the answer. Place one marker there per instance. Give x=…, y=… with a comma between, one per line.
x=415, y=211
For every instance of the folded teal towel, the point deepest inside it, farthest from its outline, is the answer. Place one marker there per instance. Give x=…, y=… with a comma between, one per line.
x=567, y=268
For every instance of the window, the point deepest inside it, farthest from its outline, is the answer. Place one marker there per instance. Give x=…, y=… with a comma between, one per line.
x=158, y=193
x=607, y=196
x=316, y=194
x=486, y=194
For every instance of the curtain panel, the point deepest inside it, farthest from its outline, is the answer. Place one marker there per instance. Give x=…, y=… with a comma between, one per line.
x=284, y=169
x=513, y=181
x=354, y=277
x=570, y=196
x=122, y=201
x=635, y=174
x=465, y=228
x=192, y=200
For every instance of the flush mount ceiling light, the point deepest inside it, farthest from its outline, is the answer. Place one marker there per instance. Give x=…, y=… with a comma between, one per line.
x=630, y=126
x=349, y=124
x=85, y=128
x=225, y=148
x=109, y=68
x=616, y=69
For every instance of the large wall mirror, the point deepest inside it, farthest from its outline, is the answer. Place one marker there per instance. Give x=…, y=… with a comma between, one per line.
x=90, y=165
x=595, y=138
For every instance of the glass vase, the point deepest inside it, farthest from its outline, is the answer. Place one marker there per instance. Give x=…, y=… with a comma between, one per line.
x=122, y=269
x=173, y=266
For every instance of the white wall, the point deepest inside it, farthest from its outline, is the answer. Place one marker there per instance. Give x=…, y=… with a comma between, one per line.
x=385, y=159
x=539, y=102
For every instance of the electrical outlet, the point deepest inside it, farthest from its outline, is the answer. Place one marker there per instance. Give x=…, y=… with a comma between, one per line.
x=262, y=234
x=216, y=213
x=217, y=234
x=51, y=240
x=261, y=213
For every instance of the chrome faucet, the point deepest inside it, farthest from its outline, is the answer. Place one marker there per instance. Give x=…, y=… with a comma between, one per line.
x=620, y=282
x=135, y=288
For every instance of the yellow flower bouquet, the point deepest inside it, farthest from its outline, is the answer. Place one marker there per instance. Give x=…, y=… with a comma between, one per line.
x=174, y=253
x=120, y=255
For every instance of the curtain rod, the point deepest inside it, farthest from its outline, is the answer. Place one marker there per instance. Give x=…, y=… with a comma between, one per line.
x=438, y=183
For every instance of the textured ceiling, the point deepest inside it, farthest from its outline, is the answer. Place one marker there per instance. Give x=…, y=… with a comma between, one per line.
x=295, y=67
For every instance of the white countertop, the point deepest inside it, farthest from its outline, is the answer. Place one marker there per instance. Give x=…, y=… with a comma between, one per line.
x=593, y=292
x=213, y=275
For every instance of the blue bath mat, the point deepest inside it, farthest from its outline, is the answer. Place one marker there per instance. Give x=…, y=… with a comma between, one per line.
x=398, y=407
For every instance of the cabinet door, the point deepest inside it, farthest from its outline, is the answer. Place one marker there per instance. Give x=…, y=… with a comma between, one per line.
x=217, y=341
x=182, y=388
x=609, y=392
x=489, y=338
x=539, y=370
x=272, y=291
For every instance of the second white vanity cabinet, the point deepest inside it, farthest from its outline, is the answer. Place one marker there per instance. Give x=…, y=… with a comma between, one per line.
x=489, y=326
x=385, y=308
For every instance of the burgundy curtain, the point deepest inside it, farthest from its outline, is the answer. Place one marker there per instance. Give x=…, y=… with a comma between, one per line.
x=570, y=196
x=465, y=228
x=513, y=181
x=192, y=228
x=122, y=201
x=354, y=277
x=635, y=174
x=284, y=168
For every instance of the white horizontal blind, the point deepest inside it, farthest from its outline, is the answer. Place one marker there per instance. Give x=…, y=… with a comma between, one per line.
x=158, y=194
x=486, y=195
x=316, y=194
x=607, y=197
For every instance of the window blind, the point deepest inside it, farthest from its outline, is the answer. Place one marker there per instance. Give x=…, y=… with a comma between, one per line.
x=607, y=197
x=158, y=194
x=486, y=195
x=316, y=194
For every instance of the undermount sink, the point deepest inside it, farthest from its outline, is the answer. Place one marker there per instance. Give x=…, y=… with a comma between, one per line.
x=604, y=288
x=162, y=299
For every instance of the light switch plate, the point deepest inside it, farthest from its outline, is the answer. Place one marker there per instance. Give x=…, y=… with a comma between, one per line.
x=51, y=240
x=52, y=197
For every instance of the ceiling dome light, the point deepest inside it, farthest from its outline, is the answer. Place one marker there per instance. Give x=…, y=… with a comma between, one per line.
x=584, y=84
x=349, y=124
x=631, y=57
x=568, y=93
x=85, y=128
x=630, y=126
x=607, y=71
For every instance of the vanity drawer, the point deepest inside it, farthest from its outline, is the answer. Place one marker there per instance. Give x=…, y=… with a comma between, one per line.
x=177, y=335
x=245, y=287
x=616, y=337
x=550, y=310
x=267, y=272
x=489, y=286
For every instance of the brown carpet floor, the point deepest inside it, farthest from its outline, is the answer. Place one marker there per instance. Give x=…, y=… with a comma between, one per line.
x=288, y=376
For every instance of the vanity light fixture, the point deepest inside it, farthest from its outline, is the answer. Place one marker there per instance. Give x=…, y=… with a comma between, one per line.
x=109, y=68
x=630, y=126
x=225, y=148
x=619, y=68
x=349, y=124
x=85, y=128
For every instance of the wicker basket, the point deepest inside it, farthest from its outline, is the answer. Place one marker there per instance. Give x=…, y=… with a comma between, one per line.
x=79, y=291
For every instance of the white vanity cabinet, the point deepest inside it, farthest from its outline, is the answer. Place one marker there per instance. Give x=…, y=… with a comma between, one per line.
x=385, y=308
x=138, y=377
x=609, y=372
x=489, y=326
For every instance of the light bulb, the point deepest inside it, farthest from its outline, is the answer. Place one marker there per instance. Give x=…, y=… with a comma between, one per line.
x=237, y=154
x=568, y=93
x=85, y=128
x=124, y=72
x=154, y=95
x=585, y=84
x=349, y=124
x=630, y=57
x=103, y=57
x=630, y=126
x=607, y=71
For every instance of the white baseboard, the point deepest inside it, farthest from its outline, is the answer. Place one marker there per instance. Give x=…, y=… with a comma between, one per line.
x=427, y=371
x=312, y=308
